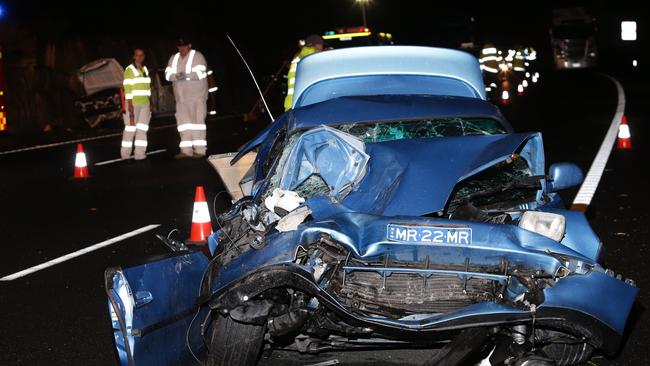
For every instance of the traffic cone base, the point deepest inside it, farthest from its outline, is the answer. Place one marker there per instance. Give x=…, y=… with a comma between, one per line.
x=80, y=163
x=201, y=225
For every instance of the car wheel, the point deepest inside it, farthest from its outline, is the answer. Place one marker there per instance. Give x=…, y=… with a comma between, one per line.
x=234, y=343
x=568, y=353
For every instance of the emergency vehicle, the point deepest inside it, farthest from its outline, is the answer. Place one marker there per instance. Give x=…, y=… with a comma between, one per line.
x=356, y=36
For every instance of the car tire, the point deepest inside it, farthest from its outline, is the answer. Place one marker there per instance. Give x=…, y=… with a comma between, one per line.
x=565, y=354
x=234, y=343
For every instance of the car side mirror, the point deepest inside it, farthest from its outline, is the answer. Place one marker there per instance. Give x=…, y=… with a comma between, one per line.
x=563, y=176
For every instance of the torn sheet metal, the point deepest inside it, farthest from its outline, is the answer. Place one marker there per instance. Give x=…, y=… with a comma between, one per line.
x=338, y=158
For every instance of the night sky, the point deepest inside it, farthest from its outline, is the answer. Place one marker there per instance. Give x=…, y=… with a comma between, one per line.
x=271, y=28
x=267, y=32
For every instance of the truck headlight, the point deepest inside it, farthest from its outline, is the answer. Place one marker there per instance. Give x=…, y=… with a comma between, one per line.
x=548, y=224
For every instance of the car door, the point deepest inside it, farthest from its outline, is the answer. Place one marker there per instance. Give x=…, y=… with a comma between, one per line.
x=152, y=307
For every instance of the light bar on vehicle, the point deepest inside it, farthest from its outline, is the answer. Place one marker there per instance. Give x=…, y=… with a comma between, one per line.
x=346, y=36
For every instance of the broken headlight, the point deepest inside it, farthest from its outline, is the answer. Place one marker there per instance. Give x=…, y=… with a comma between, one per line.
x=548, y=224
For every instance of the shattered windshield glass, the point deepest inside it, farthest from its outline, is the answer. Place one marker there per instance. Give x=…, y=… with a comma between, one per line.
x=444, y=127
x=499, y=187
x=331, y=162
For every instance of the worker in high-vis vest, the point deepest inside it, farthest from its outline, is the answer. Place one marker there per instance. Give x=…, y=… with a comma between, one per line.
x=519, y=63
x=137, y=90
x=187, y=70
x=313, y=44
x=490, y=59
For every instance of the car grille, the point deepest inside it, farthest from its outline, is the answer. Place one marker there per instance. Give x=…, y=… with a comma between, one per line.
x=397, y=289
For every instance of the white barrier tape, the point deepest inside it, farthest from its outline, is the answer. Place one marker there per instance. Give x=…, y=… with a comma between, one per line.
x=79, y=253
x=592, y=179
x=129, y=158
x=101, y=137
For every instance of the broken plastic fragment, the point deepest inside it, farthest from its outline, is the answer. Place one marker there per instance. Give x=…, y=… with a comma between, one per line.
x=294, y=218
x=286, y=201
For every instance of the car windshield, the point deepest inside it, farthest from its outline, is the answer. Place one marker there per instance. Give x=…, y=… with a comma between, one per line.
x=426, y=128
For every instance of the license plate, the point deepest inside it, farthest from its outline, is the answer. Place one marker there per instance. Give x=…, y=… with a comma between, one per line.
x=429, y=234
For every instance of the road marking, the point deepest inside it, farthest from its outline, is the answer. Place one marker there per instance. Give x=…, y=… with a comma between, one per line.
x=78, y=253
x=39, y=147
x=590, y=184
x=76, y=141
x=129, y=158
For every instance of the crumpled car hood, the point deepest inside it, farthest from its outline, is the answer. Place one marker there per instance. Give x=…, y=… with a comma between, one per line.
x=416, y=177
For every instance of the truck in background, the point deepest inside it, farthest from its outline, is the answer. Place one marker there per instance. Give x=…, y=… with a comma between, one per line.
x=573, y=38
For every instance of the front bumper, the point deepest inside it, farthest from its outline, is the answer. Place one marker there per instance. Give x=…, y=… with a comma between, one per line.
x=594, y=306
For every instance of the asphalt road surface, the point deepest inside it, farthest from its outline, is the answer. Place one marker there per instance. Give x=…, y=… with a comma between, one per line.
x=58, y=315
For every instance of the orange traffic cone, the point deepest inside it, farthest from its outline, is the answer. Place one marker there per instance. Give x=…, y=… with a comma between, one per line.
x=505, y=97
x=80, y=163
x=201, y=225
x=624, y=141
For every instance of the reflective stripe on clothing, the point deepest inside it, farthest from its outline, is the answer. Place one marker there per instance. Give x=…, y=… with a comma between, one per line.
x=491, y=58
x=138, y=132
x=141, y=93
x=199, y=143
x=185, y=144
x=170, y=70
x=489, y=69
x=138, y=80
x=188, y=64
x=137, y=85
x=188, y=75
x=191, y=127
x=184, y=127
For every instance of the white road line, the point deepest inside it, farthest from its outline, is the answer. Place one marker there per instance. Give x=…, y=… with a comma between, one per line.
x=39, y=147
x=78, y=253
x=129, y=158
x=590, y=184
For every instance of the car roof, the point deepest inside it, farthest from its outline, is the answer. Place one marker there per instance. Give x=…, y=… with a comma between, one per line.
x=397, y=70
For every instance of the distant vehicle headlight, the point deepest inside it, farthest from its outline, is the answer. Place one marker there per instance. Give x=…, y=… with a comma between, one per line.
x=548, y=224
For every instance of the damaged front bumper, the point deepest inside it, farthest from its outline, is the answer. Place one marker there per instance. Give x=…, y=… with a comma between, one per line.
x=582, y=298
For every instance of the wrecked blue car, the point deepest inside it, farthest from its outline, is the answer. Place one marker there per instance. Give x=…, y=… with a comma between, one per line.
x=391, y=207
